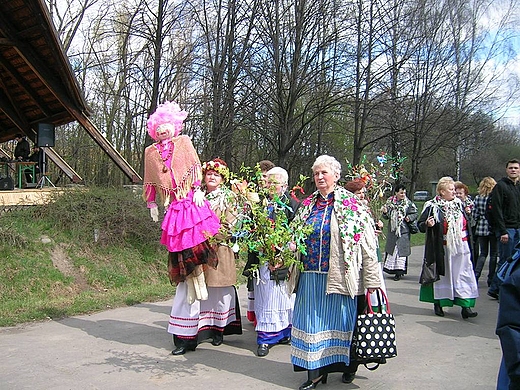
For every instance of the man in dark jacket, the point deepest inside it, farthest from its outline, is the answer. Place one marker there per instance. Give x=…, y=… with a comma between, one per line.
x=505, y=203
x=22, y=148
x=508, y=330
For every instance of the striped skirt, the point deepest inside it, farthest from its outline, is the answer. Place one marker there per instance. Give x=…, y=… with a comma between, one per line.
x=322, y=324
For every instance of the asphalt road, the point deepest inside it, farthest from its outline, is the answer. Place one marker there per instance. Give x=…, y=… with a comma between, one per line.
x=129, y=348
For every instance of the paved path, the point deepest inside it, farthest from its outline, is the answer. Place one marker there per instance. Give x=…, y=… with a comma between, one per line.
x=128, y=348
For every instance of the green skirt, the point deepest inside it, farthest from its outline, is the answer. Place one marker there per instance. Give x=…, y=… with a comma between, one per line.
x=426, y=295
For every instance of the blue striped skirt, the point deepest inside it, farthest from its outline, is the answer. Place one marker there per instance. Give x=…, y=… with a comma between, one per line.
x=322, y=324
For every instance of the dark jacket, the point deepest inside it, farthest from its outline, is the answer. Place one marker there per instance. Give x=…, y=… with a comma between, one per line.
x=37, y=157
x=434, y=244
x=22, y=149
x=505, y=203
x=508, y=326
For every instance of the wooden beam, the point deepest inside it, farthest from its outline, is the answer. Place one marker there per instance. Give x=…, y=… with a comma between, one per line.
x=107, y=147
x=62, y=164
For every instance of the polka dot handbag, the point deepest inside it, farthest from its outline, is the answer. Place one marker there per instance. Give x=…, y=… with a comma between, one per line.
x=374, y=335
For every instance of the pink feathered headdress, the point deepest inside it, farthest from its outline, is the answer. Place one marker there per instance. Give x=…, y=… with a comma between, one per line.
x=168, y=112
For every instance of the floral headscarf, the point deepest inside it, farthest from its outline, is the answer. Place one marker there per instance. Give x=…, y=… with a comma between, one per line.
x=352, y=220
x=453, y=215
x=396, y=211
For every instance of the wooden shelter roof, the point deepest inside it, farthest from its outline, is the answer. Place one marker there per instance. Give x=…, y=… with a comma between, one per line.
x=36, y=81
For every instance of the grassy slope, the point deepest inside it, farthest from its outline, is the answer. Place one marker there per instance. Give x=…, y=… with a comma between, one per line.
x=68, y=273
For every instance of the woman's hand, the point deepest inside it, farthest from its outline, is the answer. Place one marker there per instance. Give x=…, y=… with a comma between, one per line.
x=430, y=221
x=372, y=290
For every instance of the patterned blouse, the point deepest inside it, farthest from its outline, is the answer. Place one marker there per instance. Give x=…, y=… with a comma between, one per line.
x=318, y=242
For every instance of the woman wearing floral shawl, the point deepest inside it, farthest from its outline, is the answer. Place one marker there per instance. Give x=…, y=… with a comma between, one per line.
x=400, y=211
x=340, y=262
x=448, y=249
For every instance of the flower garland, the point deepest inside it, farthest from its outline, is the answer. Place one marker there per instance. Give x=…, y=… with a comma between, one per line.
x=221, y=169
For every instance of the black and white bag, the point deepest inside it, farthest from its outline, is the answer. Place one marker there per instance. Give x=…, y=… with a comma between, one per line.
x=374, y=335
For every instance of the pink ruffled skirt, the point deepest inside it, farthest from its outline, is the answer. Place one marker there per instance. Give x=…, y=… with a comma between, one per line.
x=186, y=225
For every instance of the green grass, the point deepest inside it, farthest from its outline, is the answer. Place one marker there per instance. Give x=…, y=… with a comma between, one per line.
x=73, y=274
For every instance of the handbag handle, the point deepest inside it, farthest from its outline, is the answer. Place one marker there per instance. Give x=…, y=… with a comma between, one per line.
x=380, y=294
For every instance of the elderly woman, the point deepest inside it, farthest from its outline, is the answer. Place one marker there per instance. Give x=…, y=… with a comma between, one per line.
x=400, y=211
x=448, y=238
x=273, y=306
x=341, y=261
x=218, y=315
x=485, y=237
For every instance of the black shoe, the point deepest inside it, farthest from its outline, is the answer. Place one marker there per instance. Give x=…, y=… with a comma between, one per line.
x=285, y=340
x=218, y=338
x=438, y=310
x=466, y=312
x=348, y=377
x=398, y=277
x=263, y=350
x=182, y=350
x=312, y=384
x=492, y=294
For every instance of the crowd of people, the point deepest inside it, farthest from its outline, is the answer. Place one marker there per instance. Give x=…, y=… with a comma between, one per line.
x=313, y=306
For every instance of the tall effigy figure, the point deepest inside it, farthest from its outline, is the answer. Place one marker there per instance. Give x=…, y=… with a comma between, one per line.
x=173, y=173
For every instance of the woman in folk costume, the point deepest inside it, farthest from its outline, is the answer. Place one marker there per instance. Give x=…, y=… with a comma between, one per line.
x=173, y=172
x=273, y=306
x=219, y=315
x=400, y=211
x=341, y=262
x=448, y=246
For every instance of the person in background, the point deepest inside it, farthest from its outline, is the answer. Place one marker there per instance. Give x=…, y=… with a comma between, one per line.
x=36, y=157
x=273, y=306
x=505, y=214
x=508, y=331
x=22, y=148
x=447, y=244
x=400, y=211
x=172, y=172
x=219, y=315
x=265, y=166
x=485, y=237
x=462, y=192
x=340, y=263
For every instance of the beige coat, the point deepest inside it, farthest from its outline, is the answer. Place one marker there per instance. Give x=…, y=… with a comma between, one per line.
x=368, y=272
x=226, y=274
